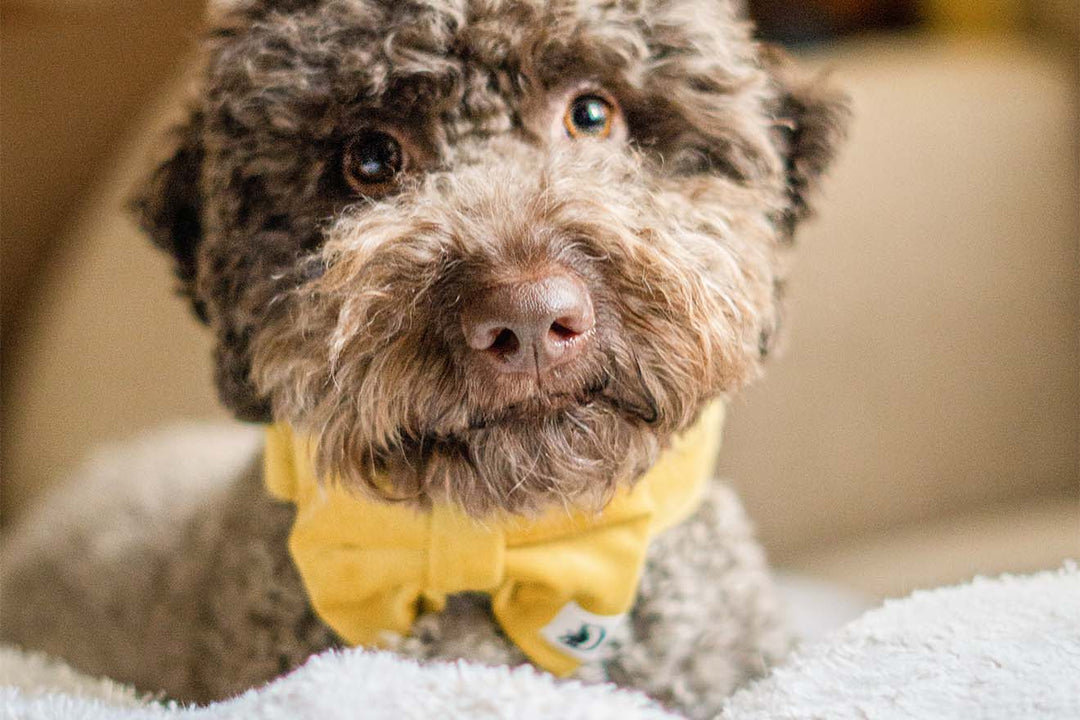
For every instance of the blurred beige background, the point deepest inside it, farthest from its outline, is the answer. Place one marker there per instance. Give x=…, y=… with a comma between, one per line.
x=922, y=426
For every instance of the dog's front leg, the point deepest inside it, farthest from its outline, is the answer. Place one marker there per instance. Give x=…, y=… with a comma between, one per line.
x=707, y=618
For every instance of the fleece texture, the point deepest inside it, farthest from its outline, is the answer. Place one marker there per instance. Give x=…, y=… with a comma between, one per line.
x=335, y=686
x=1007, y=648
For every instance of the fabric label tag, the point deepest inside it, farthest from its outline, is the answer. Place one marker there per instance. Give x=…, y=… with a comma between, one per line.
x=582, y=634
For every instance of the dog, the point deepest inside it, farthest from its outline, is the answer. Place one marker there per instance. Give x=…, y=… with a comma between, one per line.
x=482, y=265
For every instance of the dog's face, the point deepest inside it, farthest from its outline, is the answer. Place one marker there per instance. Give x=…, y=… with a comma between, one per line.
x=496, y=251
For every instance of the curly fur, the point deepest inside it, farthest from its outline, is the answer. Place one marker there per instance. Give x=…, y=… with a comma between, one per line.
x=340, y=313
x=322, y=300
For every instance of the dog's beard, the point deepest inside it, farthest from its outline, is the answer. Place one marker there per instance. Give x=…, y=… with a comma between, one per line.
x=577, y=457
x=562, y=452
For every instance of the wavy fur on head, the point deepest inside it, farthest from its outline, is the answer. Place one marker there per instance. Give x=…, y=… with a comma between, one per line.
x=341, y=313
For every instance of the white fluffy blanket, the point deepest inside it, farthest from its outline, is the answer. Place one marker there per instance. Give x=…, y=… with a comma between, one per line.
x=1007, y=648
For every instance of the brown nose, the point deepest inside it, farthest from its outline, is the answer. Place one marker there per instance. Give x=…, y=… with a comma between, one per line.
x=531, y=326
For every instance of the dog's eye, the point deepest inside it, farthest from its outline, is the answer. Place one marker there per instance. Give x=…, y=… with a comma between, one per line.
x=372, y=161
x=589, y=116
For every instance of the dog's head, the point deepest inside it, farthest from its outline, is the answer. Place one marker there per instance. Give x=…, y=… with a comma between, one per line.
x=498, y=251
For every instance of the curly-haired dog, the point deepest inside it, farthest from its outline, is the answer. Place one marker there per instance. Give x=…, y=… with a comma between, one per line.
x=490, y=266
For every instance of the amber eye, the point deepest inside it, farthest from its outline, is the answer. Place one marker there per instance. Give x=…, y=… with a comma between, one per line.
x=589, y=116
x=372, y=161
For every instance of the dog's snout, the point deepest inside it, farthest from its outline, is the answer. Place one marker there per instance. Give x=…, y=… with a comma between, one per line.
x=530, y=326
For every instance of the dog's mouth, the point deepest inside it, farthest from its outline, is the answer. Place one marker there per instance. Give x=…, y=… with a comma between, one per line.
x=543, y=407
x=572, y=442
x=630, y=400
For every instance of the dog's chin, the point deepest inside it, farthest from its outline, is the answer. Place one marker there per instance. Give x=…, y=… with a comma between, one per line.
x=561, y=452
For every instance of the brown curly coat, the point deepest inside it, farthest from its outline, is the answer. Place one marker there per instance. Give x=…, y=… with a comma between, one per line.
x=339, y=312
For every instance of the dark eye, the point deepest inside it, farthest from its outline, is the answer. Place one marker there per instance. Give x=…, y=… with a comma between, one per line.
x=589, y=116
x=372, y=161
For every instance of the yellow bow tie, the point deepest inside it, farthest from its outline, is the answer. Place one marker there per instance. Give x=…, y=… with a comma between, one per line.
x=558, y=583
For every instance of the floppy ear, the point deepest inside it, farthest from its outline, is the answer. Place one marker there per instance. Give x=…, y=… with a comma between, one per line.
x=811, y=119
x=169, y=207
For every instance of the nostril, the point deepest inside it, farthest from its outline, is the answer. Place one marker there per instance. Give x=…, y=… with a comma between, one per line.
x=505, y=343
x=562, y=330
